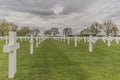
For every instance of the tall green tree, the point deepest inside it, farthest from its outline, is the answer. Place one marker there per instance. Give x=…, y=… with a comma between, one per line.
x=35, y=31
x=47, y=33
x=55, y=31
x=5, y=27
x=110, y=28
x=115, y=30
x=24, y=31
x=82, y=33
x=67, y=31
x=13, y=27
x=86, y=32
x=95, y=28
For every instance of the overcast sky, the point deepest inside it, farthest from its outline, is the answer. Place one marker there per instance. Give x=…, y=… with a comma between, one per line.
x=77, y=14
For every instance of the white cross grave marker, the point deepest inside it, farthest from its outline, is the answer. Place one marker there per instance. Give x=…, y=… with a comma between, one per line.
x=79, y=39
x=85, y=39
x=90, y=43
x=68, y=39
x=11, y=49
x=117, y=40
x=20, y=39
x=109, y=41
x=31, y=44
x=39, y=40
x=64, y=39
x=36, y=41
x=75, y=41
x=61, y=39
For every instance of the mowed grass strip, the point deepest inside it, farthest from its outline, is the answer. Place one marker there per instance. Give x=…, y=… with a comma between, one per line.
x=54, y=60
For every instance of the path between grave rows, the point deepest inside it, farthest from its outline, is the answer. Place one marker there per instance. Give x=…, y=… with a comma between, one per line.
x=54, y=60
x=49, y=62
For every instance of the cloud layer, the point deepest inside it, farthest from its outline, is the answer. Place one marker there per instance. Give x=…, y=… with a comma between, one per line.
x=76, y=14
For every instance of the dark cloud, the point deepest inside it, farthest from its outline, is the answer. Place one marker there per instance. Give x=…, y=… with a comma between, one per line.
x=43, y=7
x=73, y=13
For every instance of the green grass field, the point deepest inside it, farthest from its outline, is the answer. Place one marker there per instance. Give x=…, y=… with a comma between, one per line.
x=54, y=60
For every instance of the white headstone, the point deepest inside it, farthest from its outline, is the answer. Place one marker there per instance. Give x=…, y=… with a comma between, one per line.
x=68, y=39
x=109, y=41
x=90, y=43
x=75, y=41
x=64, y=39
x=79, y=39
x=11, y=49
x=37, y=41
x=85, y=39
x=31, y=44
x=61, y=39
x=117, y=40
x=20, y=39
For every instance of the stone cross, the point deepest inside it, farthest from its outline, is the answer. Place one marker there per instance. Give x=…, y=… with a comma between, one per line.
x=85, y=39
x=109, y=41
x=90, y=43
x=31, y=44
x=117, y=40
x=68, y=39
x=79, y=39
x=11, y=49
x=94, y=40
x=61, y=39
x=20, y=39
x=75, y=41
x=36, y=41
x=39, y=40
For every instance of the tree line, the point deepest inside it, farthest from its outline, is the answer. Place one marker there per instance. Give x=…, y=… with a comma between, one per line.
x=5, y=27
x=107, y=28
x=96, y=29
x=55, y=32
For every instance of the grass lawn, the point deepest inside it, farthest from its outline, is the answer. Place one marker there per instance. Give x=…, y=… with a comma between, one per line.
x=54, y=60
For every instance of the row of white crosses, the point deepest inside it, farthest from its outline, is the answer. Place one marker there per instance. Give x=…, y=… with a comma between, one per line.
x=38, y=41
x=92, y=40
x=13, y=46
x=4, y=38
x=76, y=40
x=23, y=38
